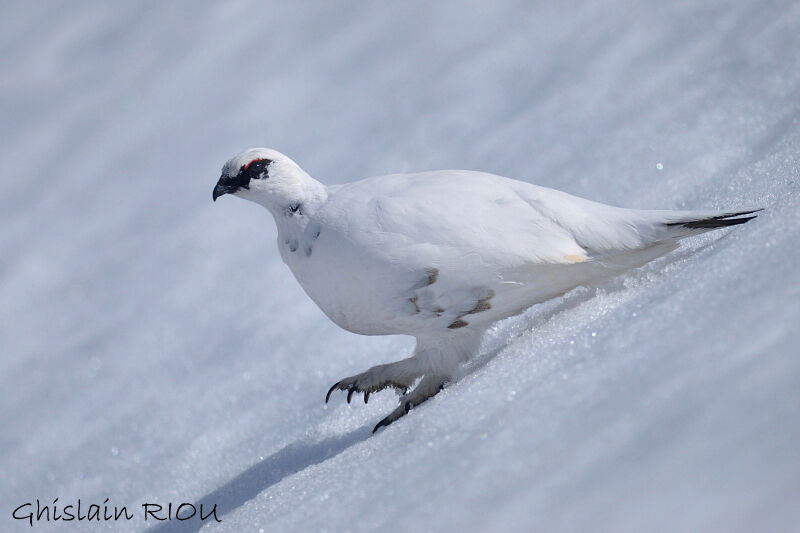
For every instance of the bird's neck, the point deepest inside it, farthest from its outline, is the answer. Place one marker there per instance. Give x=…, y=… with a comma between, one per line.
x=294, y=209
x=285, y=197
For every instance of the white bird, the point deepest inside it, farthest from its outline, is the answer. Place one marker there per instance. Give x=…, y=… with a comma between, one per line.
x=442, y=255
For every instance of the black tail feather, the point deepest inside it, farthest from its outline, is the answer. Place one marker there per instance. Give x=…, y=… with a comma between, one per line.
x=719, y=221
x=739, y=213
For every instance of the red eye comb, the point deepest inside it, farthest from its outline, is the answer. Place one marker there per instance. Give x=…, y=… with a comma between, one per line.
x=251, y=162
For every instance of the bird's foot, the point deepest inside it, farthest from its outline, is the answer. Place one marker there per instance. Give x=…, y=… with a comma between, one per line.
x=428, y=387
x=392, y=375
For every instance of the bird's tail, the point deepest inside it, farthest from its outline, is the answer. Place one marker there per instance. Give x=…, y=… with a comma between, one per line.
x=684, y=224
x=650, y=234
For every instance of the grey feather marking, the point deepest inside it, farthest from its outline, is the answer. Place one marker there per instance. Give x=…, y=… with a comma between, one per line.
x=429, y=278
x=310, y=234
x=457, y=323
x=482, y=305
x=433, y=275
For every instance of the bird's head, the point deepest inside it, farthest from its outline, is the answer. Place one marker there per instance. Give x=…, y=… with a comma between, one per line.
x=264, y=176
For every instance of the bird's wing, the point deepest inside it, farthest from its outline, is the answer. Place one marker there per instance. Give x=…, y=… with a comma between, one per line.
x=457, y=242
x=441, y=217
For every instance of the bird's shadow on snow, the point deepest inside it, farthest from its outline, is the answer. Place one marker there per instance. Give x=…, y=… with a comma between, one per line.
x=289, y=460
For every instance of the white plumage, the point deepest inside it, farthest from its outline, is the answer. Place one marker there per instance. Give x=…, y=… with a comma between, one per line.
x=442, y=255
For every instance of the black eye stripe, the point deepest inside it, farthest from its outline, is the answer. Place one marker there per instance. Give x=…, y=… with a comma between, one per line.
x=255, y=169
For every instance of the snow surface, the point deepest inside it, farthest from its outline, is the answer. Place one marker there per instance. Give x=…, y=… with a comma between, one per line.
x=155, y=349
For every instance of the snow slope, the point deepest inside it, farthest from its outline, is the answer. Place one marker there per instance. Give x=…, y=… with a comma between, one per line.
x=155, y=349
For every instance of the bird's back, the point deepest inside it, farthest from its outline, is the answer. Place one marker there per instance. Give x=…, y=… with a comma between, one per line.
x=508, y=222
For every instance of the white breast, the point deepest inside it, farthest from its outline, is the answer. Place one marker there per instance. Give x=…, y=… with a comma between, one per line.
x=353, y=289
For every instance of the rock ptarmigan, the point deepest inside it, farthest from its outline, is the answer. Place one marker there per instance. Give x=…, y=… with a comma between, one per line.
x=442, y=255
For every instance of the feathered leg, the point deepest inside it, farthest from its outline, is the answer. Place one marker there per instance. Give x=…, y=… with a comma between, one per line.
x=436, y=359
x=399, y=375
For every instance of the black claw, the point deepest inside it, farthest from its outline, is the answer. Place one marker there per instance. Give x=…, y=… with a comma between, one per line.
x=330, y=391
x=407, y=406
x=382, y=423
x=366, y=396
x=350, y=393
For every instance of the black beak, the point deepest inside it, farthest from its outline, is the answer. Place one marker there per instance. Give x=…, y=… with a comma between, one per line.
x=229, y=185
x=223, y=188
